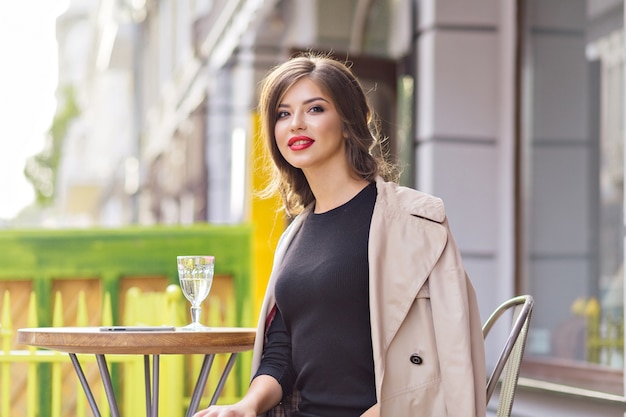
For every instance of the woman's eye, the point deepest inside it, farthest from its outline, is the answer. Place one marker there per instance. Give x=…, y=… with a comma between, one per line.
x=282, y=114
x=316, y=109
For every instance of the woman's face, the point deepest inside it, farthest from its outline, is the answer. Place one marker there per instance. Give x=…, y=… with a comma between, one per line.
x=309, y=131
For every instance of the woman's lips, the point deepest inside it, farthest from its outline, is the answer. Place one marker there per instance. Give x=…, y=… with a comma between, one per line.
x=298, y=143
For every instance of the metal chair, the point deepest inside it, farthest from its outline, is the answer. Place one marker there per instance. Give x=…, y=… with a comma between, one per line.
x=510, y=358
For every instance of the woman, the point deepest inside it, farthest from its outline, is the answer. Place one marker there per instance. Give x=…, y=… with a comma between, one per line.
x=368, y=311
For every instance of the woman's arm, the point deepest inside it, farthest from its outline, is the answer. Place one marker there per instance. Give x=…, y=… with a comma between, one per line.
x=265, y=391
x=263, y=394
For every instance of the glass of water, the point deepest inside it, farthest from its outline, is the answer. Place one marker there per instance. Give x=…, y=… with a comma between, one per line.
x=195, y=274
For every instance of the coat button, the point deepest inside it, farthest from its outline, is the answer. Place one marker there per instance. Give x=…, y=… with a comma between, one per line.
x=416, y=359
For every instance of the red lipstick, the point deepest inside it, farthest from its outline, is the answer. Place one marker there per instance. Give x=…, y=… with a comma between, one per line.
x=298, y=143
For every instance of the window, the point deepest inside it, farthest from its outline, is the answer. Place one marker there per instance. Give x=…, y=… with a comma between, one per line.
x=572, y=182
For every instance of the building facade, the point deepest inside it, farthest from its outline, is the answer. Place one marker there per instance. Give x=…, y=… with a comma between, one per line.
x=512, y=111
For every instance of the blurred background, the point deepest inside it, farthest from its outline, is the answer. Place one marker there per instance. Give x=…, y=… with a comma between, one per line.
x=28, y=84
x=141, y=114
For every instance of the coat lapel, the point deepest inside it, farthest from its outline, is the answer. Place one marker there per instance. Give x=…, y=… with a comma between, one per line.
x=404, y=246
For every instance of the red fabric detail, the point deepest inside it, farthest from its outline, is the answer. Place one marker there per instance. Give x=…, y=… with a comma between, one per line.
x=270, y=318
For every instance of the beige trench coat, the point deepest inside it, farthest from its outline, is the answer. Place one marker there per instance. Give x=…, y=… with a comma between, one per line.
x=429, y=358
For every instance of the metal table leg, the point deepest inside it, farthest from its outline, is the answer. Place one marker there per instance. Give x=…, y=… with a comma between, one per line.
x=202, y=378
x=207, y=363
x=108, y=386
x=146, y=374
x=152, y=401
x=222, y=381
x=85, y=384
x=155, y=386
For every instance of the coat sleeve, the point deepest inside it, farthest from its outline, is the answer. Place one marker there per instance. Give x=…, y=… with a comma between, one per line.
x=458, y=333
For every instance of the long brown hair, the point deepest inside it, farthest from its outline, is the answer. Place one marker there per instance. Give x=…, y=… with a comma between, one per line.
x=343, y=88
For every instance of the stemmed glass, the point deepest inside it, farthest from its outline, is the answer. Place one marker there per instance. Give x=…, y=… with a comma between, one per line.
x=195, y=274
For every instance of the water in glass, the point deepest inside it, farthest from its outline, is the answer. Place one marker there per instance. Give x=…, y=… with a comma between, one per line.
x=195, y=274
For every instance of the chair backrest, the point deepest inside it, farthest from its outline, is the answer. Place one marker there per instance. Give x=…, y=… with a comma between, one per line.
x=510, y=358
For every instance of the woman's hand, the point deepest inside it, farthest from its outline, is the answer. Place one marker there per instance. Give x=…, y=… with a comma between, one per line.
x=236, y=410
x=373, y=411
x=264, y=393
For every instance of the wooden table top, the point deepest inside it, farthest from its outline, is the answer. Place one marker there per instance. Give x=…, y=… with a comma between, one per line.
x=94, y=340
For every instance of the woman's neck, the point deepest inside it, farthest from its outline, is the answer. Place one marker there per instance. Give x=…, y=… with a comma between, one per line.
x=331, y=193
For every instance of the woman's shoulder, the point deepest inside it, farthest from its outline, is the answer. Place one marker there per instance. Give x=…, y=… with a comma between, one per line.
x=414, y=202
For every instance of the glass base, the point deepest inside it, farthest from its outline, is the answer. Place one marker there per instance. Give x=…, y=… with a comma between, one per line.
x=194, y=327
x=195, y=320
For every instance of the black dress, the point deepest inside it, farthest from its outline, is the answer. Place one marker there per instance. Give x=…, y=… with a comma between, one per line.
x=320, y=339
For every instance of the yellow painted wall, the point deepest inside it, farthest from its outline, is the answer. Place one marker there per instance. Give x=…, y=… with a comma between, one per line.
x=267, y=220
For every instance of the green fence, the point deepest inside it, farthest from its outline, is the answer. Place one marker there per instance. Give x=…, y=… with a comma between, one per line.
x=44, y=263
x=109, y=255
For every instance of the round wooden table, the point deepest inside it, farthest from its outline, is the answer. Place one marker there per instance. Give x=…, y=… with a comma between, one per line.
x=143, y=341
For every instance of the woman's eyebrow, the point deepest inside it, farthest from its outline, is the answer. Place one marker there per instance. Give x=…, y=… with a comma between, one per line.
x=308, y=101
x=311, y=100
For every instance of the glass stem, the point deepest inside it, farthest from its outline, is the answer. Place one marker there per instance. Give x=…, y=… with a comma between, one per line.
x=195, y=314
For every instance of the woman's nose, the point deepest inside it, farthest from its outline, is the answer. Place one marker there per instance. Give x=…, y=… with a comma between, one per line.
x=297, y=122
